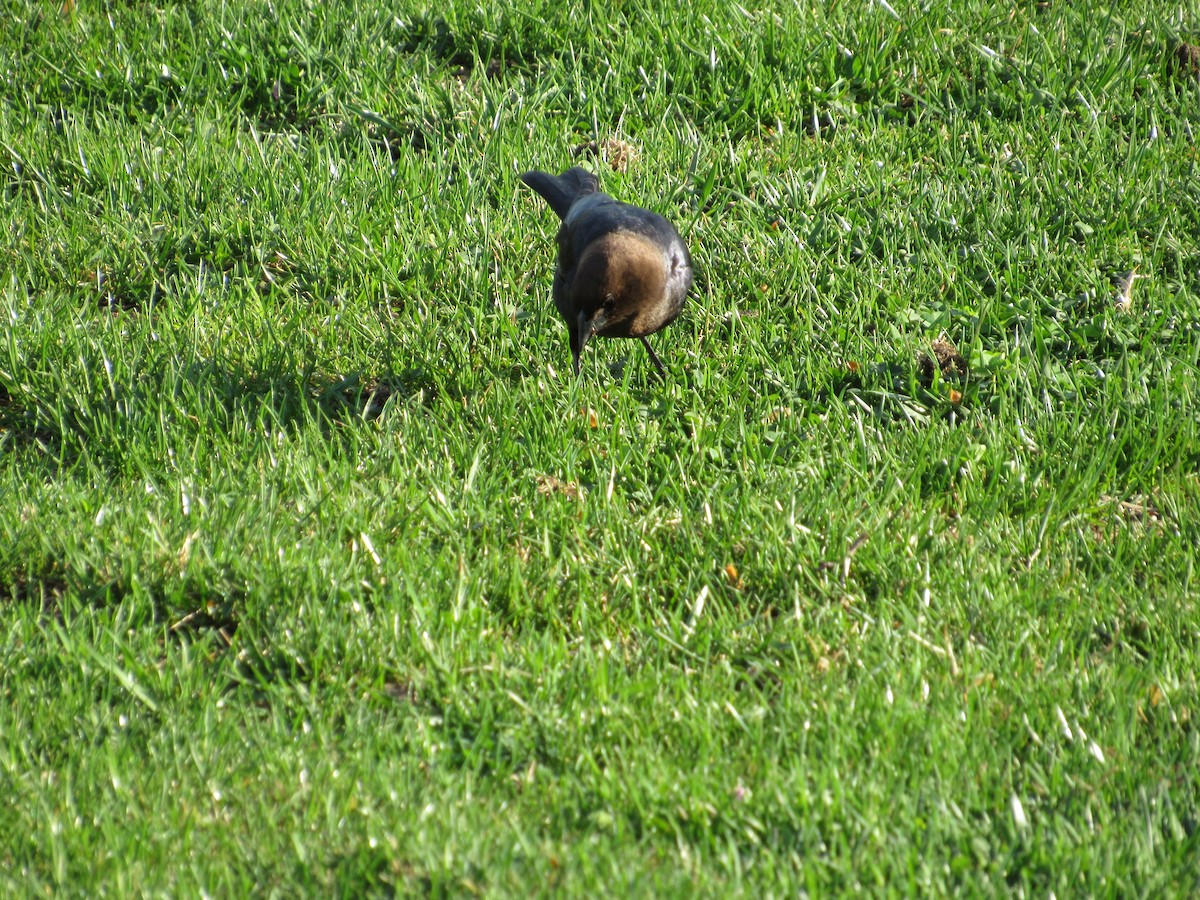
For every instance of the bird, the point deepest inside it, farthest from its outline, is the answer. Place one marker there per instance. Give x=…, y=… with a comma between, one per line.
x=623, y=271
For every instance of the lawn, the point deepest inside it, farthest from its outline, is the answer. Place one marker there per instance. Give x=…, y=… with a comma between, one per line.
x=321, y=574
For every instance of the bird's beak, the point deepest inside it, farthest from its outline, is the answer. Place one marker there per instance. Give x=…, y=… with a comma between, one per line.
x=583, y=329
x=596, y=325
x=586, y=329
x=589, y=327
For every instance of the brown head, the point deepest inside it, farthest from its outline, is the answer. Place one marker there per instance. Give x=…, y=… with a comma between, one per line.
x=620, y=286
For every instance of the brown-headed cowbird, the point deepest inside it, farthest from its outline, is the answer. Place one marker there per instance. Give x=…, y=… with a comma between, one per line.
x=623, y=271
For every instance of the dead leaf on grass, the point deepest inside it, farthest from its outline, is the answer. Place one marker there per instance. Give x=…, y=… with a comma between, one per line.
x=1187, y=57
x=1123, y=299
x=552, y=484
x=735, y=580
x=617, y=153
x=946, y=359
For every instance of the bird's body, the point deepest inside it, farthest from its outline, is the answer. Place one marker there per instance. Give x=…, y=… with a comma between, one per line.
x=623, y=271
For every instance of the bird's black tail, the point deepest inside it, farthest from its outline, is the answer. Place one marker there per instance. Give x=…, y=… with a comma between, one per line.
x=560, y=191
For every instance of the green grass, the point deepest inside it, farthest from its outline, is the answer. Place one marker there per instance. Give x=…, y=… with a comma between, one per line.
x=319, y=573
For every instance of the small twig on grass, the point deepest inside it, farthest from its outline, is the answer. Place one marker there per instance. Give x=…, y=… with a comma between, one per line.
x=950, y=653
x=850, y=551
x=928, y=645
